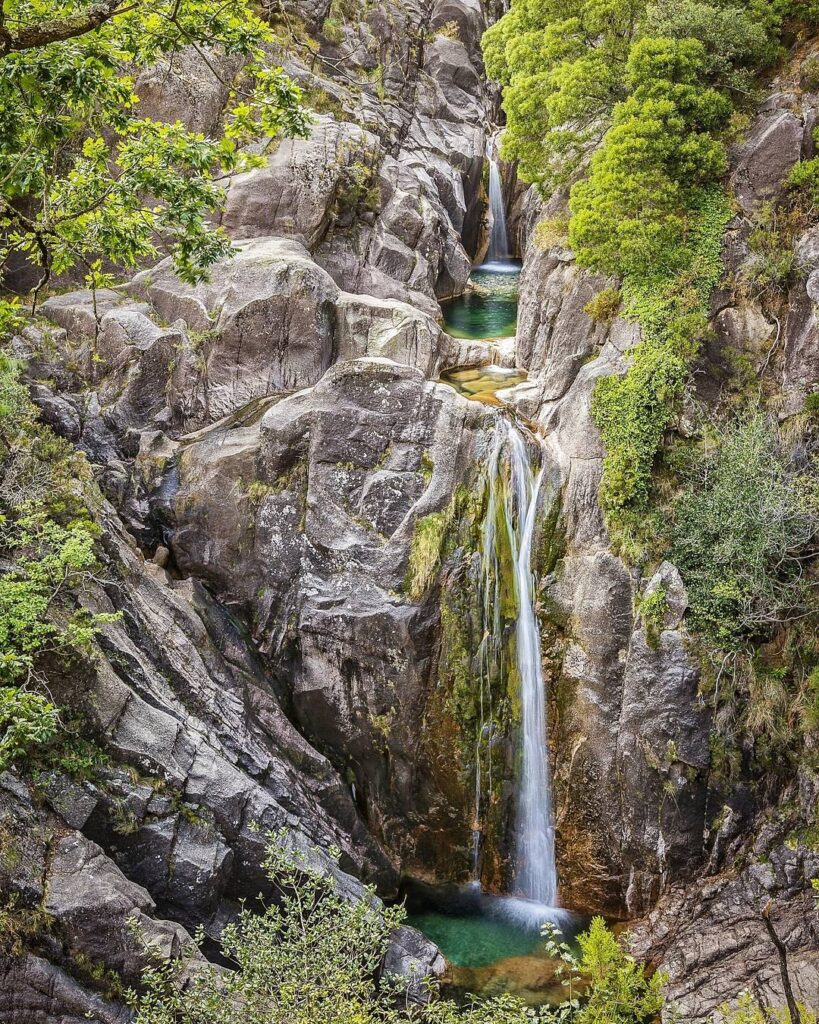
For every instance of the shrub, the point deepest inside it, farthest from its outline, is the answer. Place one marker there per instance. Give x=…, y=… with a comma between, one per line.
x=803, y=181
x=312, y=957
x=633, y=411
x=628, y=215
x=615, y=987
x=26, y=720
x=604, y=306
x=809, y=74
x=551, y=232
x=747, y=1010
x=47, y=553
x=333, y=31
x=811, y=406
x=744, y=534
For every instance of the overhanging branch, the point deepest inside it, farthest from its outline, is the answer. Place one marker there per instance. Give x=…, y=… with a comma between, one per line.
x=55, y=30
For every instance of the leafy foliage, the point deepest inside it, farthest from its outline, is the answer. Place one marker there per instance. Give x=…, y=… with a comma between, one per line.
x=633, y=411
x=26, y=719
x=47, y=543
x=604, y=307
x=565, y=67
x=614, y=985
x=310, y=958
x=747, y=1010
x=744, y=533
x=628, y=215
x=654, y=86
x=562, y=68
x=84, y=178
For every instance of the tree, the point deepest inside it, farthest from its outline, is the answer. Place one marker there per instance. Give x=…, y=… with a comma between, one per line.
x=84, y=180
x=562, y=65
x=629, y=214
x=565, y=65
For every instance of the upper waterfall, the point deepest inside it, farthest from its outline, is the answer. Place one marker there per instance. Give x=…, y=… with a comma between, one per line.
x=498, y=234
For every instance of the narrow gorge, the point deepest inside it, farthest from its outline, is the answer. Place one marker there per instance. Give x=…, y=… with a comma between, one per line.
x=383, y=537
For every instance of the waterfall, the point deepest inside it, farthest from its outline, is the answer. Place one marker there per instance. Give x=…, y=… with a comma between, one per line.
x=498, y=238
x=514, y=487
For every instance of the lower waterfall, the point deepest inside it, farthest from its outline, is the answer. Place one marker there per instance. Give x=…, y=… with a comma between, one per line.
x=514, y=487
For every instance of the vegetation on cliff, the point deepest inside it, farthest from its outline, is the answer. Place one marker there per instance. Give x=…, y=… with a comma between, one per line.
x=650, y=91
x=47, y=542
x=86, y=183
x=634, y=104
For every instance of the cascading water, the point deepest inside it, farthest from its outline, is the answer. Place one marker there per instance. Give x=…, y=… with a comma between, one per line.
x=514, y=488
x=498, y=237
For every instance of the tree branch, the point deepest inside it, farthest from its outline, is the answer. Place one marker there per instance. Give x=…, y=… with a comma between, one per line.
x=782, y=953
x=56, y=30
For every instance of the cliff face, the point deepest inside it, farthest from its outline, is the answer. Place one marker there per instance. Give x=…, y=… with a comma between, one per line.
x=635, y=792
x=271, y=445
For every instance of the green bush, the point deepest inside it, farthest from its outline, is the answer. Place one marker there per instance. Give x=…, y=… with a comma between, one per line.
x=604, y=306
x=311, y=957
x=809, y=74
x=26, y=720
x=743, y=534
x=633, y=411
x=88, y=180
x=47, y=554
x=629, y=213
x=747, y=1010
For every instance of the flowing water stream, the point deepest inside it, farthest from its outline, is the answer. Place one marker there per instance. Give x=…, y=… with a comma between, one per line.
x=494, y=941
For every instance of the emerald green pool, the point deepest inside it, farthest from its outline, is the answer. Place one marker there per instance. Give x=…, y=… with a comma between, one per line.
x=474, y=941
x=492, y=944
x=489, y=307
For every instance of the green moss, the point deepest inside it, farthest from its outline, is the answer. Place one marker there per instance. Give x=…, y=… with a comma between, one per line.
x=426, y=550
x=552, y=542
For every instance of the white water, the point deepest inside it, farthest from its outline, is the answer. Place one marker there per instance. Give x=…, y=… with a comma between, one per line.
x=514, y=483
x=498, y=236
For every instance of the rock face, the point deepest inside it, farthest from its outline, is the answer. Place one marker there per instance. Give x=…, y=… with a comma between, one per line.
x=268, y=322
x=630, y=730
x=711, y=939
x=305, y=498
x=336, y=479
